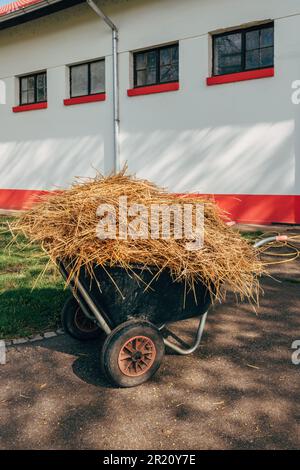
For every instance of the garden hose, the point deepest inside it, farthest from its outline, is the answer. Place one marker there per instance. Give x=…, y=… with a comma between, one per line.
x=289, y=242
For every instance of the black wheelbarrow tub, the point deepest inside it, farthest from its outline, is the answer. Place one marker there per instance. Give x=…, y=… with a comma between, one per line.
x=123, y=295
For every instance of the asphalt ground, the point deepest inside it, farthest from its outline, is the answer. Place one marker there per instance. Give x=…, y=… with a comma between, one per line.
x=240, y=390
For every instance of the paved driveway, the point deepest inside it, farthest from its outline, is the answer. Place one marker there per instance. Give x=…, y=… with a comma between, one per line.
x=239, y=390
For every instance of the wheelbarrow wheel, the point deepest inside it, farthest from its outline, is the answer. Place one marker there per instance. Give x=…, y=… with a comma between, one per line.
x=76, y=323
x=132, y=353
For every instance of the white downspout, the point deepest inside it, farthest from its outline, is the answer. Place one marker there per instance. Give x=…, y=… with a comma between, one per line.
x=115, y=38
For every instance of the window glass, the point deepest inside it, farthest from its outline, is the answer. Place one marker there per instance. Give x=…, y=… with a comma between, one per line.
x=41, y=88
x=228, y=54
x=156, y=66
x=97, y=70
x=267, y=57
x=146, y=66
x=33, y=88
x=267, y=37
x=169, y=65
x=247, y=49
x=166, y=56
x=87, y=79
x=141, y=77
x=259, y=48
x=252, y=40
x=79, y=80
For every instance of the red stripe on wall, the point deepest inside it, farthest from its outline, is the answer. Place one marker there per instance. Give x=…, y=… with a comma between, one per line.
x=85, y=99
x=247, y=208
x=150, y=89
x=263, y=209
x=17, y=199
x=240, y=76
x=29, y=107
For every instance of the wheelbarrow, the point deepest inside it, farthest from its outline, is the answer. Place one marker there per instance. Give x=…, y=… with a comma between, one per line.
x=133, y=309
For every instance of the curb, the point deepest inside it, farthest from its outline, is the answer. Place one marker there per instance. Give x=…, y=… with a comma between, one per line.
x=34, y=338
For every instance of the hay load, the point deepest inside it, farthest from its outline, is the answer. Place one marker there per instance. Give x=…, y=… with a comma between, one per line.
x=66, y=225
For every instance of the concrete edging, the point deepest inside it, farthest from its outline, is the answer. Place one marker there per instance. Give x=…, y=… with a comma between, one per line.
x=33, y=338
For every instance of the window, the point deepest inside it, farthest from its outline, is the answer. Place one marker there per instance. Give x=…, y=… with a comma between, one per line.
x=243, y=50
x=156, y=66
x=33, y=88
x=87, y=79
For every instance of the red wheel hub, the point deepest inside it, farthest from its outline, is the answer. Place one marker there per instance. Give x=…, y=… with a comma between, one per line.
x=137, y=356
x=83, y=323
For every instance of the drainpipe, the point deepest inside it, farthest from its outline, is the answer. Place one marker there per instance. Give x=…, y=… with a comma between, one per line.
x=115, y=38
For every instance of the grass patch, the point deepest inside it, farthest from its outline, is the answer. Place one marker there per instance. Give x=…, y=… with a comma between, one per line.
x=252, y=236
x=24, y=310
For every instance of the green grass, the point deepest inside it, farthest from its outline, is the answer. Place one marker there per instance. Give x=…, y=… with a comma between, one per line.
x=23, y=310
x=252, y=236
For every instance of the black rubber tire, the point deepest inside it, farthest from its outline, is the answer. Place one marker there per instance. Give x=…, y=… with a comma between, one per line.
x=69, y=311
x=114, y=343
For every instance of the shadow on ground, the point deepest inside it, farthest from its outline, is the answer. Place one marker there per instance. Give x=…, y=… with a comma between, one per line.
x=240, y=390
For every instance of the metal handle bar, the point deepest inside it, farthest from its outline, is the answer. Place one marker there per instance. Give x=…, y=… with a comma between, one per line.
x=186, y=351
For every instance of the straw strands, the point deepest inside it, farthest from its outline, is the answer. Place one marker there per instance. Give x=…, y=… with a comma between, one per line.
x=64, y=224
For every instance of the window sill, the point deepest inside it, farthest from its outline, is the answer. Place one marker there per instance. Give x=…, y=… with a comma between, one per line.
x=240, y=76
x=29, y=107
x=85, y=99
x=149, y=90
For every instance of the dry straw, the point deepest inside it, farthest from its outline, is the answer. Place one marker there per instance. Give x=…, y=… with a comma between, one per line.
x=64, y=224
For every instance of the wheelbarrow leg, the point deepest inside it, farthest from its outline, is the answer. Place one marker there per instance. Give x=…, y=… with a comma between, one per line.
x=190, y=350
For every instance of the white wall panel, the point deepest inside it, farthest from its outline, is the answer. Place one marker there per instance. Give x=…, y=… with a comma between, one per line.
x=239, y=138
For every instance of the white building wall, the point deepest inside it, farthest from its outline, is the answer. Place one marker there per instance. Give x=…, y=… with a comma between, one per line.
x=238, y=138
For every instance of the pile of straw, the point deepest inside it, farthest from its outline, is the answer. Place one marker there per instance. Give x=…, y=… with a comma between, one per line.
x=64, y=224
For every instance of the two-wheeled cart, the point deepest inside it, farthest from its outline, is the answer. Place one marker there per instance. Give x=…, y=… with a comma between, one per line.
x=133, y=309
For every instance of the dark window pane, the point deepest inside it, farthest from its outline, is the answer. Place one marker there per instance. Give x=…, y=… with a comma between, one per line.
x=175, y=57
x=41, y=80
x=97, y=77
x=151, y=59
x=33, y=88
x=267, y=37
x=229, y=44
x=79, y=80
x=27, y=90
x=41, y=88
x=30, y=83
x=260, y=58
x=30, y=96
x=169, y=73
x=231, y=56
x=146, y=66
x=169, y=69
x=24, y=84
x=156, y=66
x=166, y=56
x=267, y=57
x=151, y=76
x=253, y=59
x=141, y=61
x=141, y=78
x=252, y=40
x=41, y=94
x=228, y=54
x=24, y=98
